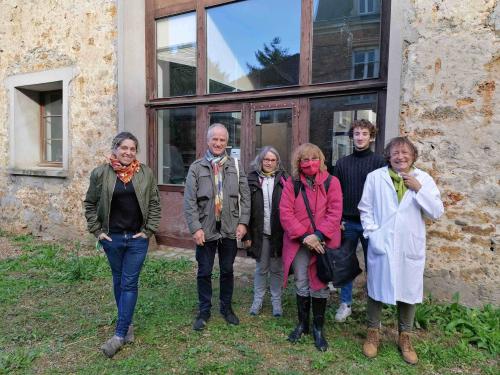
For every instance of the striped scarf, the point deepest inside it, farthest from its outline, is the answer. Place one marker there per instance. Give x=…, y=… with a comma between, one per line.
x=217, y=162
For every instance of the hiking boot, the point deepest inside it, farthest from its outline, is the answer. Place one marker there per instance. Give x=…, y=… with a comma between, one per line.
x=110, y=347
x=370, y=346
x=302, y=328
x=318, y=309
x=231, y=317
x=255, y=308
x=406, y=349
x=343, y=312
x=129, y=337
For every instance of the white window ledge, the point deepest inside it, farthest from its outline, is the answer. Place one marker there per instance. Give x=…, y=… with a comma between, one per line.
x=39, y=172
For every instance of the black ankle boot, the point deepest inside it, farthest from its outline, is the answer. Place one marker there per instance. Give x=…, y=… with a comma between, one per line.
x=303, y=307
x=318, y=308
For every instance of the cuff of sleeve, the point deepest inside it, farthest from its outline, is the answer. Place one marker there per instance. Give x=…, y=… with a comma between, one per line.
x=320, y=235
x=304, y=237
x=147, y=232
x=97, y=233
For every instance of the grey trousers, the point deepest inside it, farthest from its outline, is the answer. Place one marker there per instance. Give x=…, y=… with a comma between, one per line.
x=273, y=267
x=406, y=315
x=300, y=266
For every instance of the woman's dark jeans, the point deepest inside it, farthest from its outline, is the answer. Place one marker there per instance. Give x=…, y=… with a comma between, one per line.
x=126, y=256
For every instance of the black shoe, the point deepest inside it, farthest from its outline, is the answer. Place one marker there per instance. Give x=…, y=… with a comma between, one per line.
x=200, y=323
x=230, y=317
x=303, y=307
x=318, y=308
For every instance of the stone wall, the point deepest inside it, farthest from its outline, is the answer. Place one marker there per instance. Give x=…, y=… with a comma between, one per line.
x=450, y=108
x=42, y=35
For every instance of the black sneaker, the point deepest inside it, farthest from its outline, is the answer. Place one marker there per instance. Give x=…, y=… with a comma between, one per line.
x=200, y=323
x=231, y=318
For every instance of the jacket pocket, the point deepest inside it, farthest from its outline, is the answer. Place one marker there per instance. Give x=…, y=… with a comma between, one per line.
x=233, y=205
x=416, y=248
x=376, y=242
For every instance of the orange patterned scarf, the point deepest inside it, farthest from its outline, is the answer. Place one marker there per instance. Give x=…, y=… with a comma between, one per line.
x=124, y=172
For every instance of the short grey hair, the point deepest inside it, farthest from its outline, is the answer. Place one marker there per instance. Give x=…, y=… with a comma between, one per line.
x=257, y=163
x=213, y=126
x=120, y=137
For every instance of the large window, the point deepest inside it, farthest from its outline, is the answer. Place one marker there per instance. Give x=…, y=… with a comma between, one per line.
x=176, y=55
x=176, y=144
x=345, y=31
x=253, y=45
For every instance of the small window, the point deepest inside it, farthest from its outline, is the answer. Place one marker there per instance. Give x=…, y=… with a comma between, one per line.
x=365, y=63
x=367, y=7
x=51, y=127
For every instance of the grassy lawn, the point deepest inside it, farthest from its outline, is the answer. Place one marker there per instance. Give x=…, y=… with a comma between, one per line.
x=57, y=309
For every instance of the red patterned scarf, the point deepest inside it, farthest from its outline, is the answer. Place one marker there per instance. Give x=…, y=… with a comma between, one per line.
x=124, y=172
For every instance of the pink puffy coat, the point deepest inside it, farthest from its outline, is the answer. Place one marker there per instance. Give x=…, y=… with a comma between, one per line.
x=327, y=211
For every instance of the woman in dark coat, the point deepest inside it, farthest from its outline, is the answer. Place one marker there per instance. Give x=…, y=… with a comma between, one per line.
x=264, y=240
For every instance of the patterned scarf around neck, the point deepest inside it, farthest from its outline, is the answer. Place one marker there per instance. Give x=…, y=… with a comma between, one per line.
x=398, y=183
x=217, y=162
x=124, y=172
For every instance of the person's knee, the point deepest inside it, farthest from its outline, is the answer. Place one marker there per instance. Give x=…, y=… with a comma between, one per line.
x=129, y=284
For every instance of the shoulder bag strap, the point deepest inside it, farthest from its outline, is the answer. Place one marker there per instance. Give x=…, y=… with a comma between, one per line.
x=308, y=208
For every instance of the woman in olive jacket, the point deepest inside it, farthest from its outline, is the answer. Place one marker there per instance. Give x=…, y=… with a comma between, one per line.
x=264, y=240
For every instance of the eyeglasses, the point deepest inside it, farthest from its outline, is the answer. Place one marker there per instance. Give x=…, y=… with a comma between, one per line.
x=270, y=160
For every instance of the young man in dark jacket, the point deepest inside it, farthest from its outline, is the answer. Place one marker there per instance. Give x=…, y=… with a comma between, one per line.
x=351, y=171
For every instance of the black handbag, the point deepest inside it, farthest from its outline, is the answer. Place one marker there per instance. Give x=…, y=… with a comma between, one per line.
x=338, y=266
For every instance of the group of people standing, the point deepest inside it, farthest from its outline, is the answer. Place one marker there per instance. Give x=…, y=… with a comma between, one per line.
x=377, y=200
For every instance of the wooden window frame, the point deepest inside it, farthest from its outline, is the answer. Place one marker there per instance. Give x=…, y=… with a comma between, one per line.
x=43, y=141
x=303, y=92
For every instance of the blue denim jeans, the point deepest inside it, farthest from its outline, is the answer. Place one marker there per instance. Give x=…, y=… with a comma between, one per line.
x=126, y=256
x=205, y=256
x=352, y=230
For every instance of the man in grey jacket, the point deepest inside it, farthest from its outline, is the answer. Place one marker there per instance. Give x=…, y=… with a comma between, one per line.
x=217, y=210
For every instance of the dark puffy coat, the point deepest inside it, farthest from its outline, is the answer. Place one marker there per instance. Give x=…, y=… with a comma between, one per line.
x=256, y=225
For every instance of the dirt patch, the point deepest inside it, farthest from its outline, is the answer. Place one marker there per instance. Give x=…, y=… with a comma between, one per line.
x=7, y=250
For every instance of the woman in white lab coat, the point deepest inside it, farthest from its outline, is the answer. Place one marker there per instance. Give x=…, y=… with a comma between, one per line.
x=395, y=200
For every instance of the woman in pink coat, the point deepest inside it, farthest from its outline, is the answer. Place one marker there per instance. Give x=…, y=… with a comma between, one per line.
x=301, y=243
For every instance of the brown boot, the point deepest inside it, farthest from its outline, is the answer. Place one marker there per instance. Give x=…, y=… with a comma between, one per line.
x=370, y=346
x=406, y=348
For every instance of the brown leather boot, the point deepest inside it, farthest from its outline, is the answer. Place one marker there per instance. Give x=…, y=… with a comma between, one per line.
x=407, y=351
x=370, y=346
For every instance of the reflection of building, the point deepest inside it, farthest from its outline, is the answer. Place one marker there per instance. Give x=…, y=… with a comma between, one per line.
x=112, y=75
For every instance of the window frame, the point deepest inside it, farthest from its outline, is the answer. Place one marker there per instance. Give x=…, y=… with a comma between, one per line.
x=43, y=128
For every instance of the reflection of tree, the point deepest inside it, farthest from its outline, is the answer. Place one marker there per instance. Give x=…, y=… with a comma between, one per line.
x=277, y=66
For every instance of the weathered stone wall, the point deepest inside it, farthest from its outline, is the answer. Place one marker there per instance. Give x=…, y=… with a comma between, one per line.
x=42, y=35
x=449, y=107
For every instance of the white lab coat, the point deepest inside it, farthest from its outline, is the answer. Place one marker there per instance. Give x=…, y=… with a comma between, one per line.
x=396, y=235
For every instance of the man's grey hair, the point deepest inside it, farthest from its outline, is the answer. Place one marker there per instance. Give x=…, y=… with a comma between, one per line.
x=257, y=163
x=120, y=137
x=212, y=127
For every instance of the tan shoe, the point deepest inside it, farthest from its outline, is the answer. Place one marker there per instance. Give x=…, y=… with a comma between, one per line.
x=370, y=346
x=407, y=351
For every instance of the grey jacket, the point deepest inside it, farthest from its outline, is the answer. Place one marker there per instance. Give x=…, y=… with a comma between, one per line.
x=199, y=207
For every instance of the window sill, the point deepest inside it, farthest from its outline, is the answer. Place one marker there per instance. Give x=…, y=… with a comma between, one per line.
x=40, y=172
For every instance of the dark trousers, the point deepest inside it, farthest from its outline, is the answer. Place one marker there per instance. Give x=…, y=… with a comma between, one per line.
x=205, y=256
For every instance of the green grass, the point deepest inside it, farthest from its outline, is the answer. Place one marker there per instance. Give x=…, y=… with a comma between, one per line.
x=57, y=308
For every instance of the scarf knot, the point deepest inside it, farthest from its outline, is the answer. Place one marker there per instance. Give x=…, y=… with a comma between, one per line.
x=124, y=172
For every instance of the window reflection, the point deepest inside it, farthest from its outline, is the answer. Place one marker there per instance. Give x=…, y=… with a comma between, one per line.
x=176, y=55
x=176, y=144
x=253, y=45
x=331, y=120
x=346, y=40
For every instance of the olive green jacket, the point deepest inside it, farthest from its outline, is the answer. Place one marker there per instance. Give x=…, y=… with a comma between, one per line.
x=97, y=201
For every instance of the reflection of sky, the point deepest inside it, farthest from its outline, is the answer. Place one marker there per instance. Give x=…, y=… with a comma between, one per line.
x=236, y=31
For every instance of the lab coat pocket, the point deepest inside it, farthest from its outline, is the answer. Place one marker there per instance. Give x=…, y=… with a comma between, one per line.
x=416, y=247
x=376, y=242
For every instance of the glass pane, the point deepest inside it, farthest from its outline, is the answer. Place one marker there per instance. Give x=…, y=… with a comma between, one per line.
x=176, y=55
x=253, y=45
x=54, y=150
x=53, y=103
x=53, y=127
x=331, y=120
x=176, y=144
x=232, y=121
x=274, y=128
x=340, y=27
